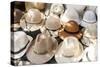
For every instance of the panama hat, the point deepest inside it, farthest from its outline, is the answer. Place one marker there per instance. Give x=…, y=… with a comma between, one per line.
x=32, y=20
x=70, y=50
x=78, y=8
x=57, y=9
x=36, y=5
x=42, y=49
x=89, y=18
x=70, y=14
x=20, y=42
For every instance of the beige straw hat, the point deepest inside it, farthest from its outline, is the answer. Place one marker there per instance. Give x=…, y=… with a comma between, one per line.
x=42, y=50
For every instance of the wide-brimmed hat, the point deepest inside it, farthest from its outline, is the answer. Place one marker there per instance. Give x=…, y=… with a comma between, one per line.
x=57, y=9
x=42, y=49
x=89, y=18
x=32, y=20
x=36, y=5
x=70, y=14
x=70, y=50
x=20, y=42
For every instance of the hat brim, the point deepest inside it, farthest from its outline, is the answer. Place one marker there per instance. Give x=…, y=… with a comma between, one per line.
x=19, y=55
x=43, y=58
x=34, y=27
x=61, y=59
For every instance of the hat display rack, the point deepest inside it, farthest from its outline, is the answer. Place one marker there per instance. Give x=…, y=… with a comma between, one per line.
x=52, y=33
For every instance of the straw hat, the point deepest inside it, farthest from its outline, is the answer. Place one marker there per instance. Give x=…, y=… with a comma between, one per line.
x=90, y=54
x=78, y=8
x=17, y=15
x=57, y=9
x=71, y=26
x=70, y=50
x=92, y=8
x=42, y=50
x=20, y=43
x=32, y=20
x=63, y=34
x=89, y=18
x=37, y=5
x=52, y=22
x=70, y=14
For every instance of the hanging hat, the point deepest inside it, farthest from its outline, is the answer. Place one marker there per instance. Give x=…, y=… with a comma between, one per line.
x=20, y=44
x=57, y=9
x=36, y=5
x=17, y=15
x=71, y=26
x=70, y=14
x=42, y=50
x=53, y=22
x=32, y=20
x=89, y=18
x=70, y=50
x=78, y=8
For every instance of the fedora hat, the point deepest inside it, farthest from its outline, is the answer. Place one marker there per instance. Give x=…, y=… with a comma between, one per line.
x=78, y=8
x=70, y=50
x=52, y=22
x=36, y=5
x=57, y=9
x=32, y=20
x=70, y=14
x=20, y=42
x=42, y=49
x=89, y=18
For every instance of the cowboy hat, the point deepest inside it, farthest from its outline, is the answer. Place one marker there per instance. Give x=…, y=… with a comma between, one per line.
x=42, y=50
x=32, y=20
x=20, y=42
x=70, y=50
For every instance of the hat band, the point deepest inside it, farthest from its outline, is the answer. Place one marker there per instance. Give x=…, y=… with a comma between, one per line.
x=21, y=49
x=88, y=22
x=40, y=53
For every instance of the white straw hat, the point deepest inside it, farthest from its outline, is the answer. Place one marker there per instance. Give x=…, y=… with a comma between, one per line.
x=33, y=20
x=20, y=43
x=42, y=50
x=70, y=50
x=53, y=22
x=78, y=8
x=57, y=9
x=89, y=18
x=70, y=14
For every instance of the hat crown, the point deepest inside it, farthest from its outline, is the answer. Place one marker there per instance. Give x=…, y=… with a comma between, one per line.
x=53, y=22
x=71, y=43
x=89, y=16
x=42, y=43
x=70, y=14
x=57, y=8
x=20, y=41
x=33, y=16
